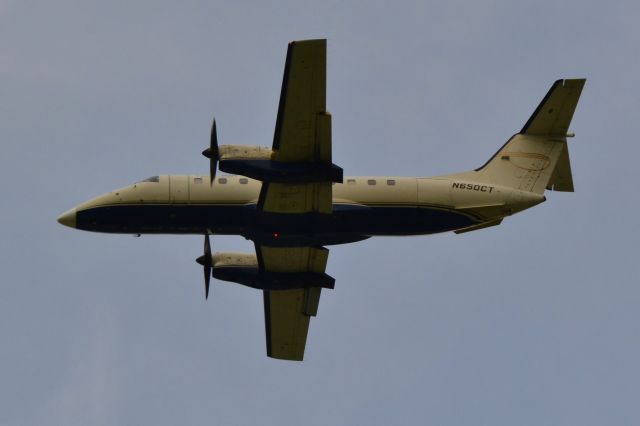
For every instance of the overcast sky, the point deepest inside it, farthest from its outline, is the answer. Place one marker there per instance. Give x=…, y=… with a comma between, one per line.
x=534, y=322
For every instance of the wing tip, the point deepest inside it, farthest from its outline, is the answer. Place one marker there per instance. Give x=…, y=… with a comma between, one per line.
x=309, y=40
x=285, y=357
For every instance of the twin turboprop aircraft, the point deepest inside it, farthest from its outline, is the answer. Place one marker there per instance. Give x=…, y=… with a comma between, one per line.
x=291, y=200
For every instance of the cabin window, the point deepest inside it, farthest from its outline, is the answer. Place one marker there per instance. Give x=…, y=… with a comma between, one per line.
x=371, y=182
x=391, y=182
x=244, y=181
x=197, y=180
x=154, y=179
x=351, y=181
x=222, y=180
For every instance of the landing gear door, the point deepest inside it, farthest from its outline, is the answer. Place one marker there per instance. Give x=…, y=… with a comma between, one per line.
x=179, y=189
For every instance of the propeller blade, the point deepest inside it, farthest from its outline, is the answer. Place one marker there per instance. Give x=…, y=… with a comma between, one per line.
x=214, y=138
x=207, y=265
x=213, y=165
x=207, y=279
x=212, y=153
x=207, y=246
x=206, y=261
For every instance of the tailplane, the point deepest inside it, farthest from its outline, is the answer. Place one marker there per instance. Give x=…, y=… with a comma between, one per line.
x=537, y=158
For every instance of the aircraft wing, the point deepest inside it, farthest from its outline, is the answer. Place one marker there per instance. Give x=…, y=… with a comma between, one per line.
x=287, y=312
x=302, y=109
x=303, y=131
x=302, y=138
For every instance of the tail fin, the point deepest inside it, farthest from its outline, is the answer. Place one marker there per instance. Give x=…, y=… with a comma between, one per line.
x=553, y=115
x=537, y=158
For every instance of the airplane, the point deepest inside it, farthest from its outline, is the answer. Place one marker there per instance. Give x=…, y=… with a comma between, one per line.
x=291, y=200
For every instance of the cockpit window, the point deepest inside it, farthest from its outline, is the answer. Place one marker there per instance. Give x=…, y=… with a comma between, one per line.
x=155, y=179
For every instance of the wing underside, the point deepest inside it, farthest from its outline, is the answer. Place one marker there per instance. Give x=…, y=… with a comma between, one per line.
x=287, y=312
x=302, y=110
x=302, y=136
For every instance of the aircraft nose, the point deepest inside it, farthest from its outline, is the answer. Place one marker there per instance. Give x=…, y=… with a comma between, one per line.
x=68, y=218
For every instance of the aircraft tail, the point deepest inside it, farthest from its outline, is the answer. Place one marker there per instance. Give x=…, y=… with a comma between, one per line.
x=537, y=158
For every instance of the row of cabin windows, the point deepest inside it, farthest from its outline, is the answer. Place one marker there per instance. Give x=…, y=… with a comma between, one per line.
x=222, y=180
x=372, y=182
x=244, y=181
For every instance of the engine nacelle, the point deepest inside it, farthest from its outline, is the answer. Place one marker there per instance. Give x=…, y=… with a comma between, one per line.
x=230, y=260
x=244, y=152
x=259, y=163
x=242, y=268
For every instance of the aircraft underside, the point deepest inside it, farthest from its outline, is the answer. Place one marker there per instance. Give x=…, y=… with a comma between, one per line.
x=291, y=200
x=347, y=223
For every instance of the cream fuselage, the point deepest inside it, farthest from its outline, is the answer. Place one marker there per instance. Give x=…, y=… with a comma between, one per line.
x=362, y=207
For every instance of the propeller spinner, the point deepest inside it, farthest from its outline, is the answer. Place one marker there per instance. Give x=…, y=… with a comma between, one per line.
x=212, y=153
x=206, y=261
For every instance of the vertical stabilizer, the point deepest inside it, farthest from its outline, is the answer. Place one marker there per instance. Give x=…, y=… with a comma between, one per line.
x=537, y=158
x=553, y=115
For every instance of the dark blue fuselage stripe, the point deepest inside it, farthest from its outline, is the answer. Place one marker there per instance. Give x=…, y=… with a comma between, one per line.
x=243, y=219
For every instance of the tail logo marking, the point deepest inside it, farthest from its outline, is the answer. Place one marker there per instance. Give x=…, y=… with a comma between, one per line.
x=522, y=160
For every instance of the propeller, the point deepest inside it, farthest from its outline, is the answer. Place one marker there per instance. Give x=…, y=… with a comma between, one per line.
x=206, y=261
x=212, y=153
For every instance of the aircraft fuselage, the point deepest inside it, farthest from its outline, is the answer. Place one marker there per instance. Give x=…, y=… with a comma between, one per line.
x=362, y=207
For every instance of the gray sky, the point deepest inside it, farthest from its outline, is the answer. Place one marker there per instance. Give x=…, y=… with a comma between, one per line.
x=535, y=322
